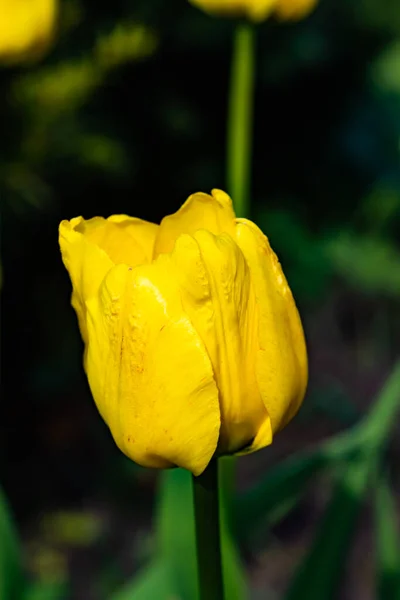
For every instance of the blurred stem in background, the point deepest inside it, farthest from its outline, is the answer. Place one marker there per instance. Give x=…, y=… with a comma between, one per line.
x=240, y=118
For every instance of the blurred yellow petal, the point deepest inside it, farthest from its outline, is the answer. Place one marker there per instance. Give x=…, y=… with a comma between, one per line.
x=200, y=211
x=149, y=372
x=282, y=358
x=287, y=10
x=257, y=10
x=26, y=29
x=218, y=297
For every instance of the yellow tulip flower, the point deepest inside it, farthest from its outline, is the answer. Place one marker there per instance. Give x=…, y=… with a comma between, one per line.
x=193, y=343
x=258, y=10
x=26, y=29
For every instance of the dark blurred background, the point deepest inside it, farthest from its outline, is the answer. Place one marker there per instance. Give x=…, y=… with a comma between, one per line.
x=127, y=114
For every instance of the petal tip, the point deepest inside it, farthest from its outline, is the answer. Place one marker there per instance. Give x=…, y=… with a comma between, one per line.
x=221, y=197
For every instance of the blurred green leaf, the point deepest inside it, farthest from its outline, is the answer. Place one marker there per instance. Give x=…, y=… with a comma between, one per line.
x=101, y=152
x=12, y=581
x=333, y=402
x=371, y=264
x=319, y=575
x=155, y=583
x=282, y=487
x=46, y=591
x=276, y=494
x=381, y=207
x=387, y=543
x=378, y=423
x=386, y=69
x=127, y=41
x=74, y=528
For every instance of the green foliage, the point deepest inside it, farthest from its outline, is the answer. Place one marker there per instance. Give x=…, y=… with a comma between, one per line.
x=46, y=591
x=277, y=493
x=12, y=583
x=367, y=263
x=157, y=582
x=319, y=575
x=387, y=542
x=356, y=453
x=302, y=254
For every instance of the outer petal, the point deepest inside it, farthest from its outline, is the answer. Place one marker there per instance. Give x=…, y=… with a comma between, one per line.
x=217, y=295
x=149, y=372
x=86, y=263
x=90, y=248
x=126, y=240
x=200, y=211
x=282, y=357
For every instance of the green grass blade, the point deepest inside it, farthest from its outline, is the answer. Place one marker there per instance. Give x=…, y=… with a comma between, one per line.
x=387, y=543
x=282, y=487
x=319, y=575
x=155, y=583
x=274, y=496
x=380, y=420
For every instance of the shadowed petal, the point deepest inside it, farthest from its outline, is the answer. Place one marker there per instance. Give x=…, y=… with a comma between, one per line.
x=217, y=295
x=282, y=358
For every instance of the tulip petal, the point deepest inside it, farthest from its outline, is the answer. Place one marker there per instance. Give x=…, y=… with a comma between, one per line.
x=90, y=249
x=200, y=211
x=282, y=358
x=126, y=240
x=149, y=372
x=218, y=297
x=86, y=263
x=143, y=232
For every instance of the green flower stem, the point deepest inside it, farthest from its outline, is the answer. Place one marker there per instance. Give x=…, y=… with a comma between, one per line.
x=206, y=508
x=240, y=118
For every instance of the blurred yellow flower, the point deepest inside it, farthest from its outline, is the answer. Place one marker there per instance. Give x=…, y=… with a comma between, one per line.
x=26, y=29
x=258, y=10
x=193, y=343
